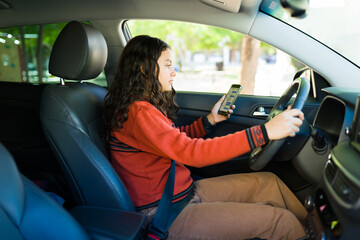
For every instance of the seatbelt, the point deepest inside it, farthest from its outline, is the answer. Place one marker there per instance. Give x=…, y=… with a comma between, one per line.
x=158, y=229
x=166, y=211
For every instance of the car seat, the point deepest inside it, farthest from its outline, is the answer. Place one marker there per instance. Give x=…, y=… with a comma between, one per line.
x=28, y=213
x=71, y=118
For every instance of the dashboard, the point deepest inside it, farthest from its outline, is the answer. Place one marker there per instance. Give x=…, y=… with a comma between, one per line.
x=334, y=167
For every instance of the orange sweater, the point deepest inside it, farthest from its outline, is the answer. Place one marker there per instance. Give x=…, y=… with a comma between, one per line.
x=142, y=150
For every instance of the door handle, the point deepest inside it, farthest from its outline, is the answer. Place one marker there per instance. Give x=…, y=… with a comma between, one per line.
x=260, y=111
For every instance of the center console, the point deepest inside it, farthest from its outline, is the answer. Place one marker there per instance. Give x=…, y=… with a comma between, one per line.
x=334, y=208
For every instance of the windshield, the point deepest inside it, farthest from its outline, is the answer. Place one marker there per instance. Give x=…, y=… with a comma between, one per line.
x=335, y=23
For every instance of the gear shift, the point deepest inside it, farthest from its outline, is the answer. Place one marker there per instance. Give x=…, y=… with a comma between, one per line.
x=319, y=141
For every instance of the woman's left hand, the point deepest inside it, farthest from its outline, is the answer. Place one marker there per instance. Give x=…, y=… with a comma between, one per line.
x=214, y=117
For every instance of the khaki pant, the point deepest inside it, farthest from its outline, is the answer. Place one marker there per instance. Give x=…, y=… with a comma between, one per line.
x=240, y=206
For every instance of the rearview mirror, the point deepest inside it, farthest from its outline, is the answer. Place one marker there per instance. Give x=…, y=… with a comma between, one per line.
x=296, y=8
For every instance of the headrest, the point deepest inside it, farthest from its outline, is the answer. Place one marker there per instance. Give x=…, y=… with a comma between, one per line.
x=79, y=52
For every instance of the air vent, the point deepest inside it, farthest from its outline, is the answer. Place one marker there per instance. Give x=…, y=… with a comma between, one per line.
x=347, y=190
x=330, y=171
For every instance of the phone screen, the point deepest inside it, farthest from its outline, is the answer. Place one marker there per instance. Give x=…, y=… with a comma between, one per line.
x=230, y=99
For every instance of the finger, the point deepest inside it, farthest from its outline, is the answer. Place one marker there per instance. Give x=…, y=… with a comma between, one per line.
x=289, y=107
x=301, y=116
x=233, y=107
x=296, y=113
x=222, y=98
x=297, y=121
x=230, y=111
x=291, y=132
x=218, y=104
x=295, y=129
x=220, y=101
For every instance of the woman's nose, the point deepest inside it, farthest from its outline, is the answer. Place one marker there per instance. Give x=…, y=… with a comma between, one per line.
x=173, y=72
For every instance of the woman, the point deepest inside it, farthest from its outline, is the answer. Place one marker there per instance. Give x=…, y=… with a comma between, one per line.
x=139, y=114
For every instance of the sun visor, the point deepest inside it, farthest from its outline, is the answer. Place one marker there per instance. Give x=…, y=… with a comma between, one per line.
x=226, y=5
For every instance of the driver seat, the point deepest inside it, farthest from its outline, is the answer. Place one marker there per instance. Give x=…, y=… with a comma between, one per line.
x=71, y=118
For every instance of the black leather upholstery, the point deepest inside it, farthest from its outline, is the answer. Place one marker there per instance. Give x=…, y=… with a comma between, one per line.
x=71, y=119
x=79, y=52
x=28, y=213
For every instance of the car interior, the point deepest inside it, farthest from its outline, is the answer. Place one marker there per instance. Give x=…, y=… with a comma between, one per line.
x=51, y=143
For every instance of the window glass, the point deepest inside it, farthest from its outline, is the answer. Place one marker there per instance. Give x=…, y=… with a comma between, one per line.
x=334, y=23
x=210, y=59
x=25, y=53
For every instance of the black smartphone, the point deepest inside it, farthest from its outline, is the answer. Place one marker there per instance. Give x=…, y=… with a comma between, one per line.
x=229, y=99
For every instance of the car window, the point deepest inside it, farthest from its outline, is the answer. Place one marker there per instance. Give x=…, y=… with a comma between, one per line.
x=210, y=59
x=25, y=53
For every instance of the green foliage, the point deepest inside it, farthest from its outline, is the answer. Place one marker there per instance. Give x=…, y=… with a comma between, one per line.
x=51, y=31
x=196, y=37
x=13, y=31
x=30, y=46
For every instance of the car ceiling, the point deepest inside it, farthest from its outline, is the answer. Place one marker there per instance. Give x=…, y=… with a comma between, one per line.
x=25, y=12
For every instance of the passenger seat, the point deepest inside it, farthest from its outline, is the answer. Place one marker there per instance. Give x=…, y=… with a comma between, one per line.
x=28, y=213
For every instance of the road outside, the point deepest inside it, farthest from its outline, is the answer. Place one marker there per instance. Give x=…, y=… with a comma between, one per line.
x=271, y=78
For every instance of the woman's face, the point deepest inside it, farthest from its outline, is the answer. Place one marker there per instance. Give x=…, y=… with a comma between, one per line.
x=166, y=71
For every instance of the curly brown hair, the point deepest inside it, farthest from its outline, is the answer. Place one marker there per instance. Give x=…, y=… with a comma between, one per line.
x=137, y=79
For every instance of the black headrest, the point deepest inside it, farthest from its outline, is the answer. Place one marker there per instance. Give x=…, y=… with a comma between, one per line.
x=79, y=52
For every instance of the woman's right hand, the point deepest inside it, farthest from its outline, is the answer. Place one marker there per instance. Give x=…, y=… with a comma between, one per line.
x=286, y=124
x=214, y=117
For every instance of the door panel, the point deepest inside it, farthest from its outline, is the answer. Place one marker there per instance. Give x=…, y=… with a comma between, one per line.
x=194, y=105
x=22, y=135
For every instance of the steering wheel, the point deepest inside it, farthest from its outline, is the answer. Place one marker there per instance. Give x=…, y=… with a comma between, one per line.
x=261, y=156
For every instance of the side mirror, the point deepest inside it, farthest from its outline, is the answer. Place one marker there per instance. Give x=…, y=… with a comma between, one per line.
x=296, y=8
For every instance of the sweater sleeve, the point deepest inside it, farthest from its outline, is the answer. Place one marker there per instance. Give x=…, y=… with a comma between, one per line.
x=194, y=130
x=153, y=134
